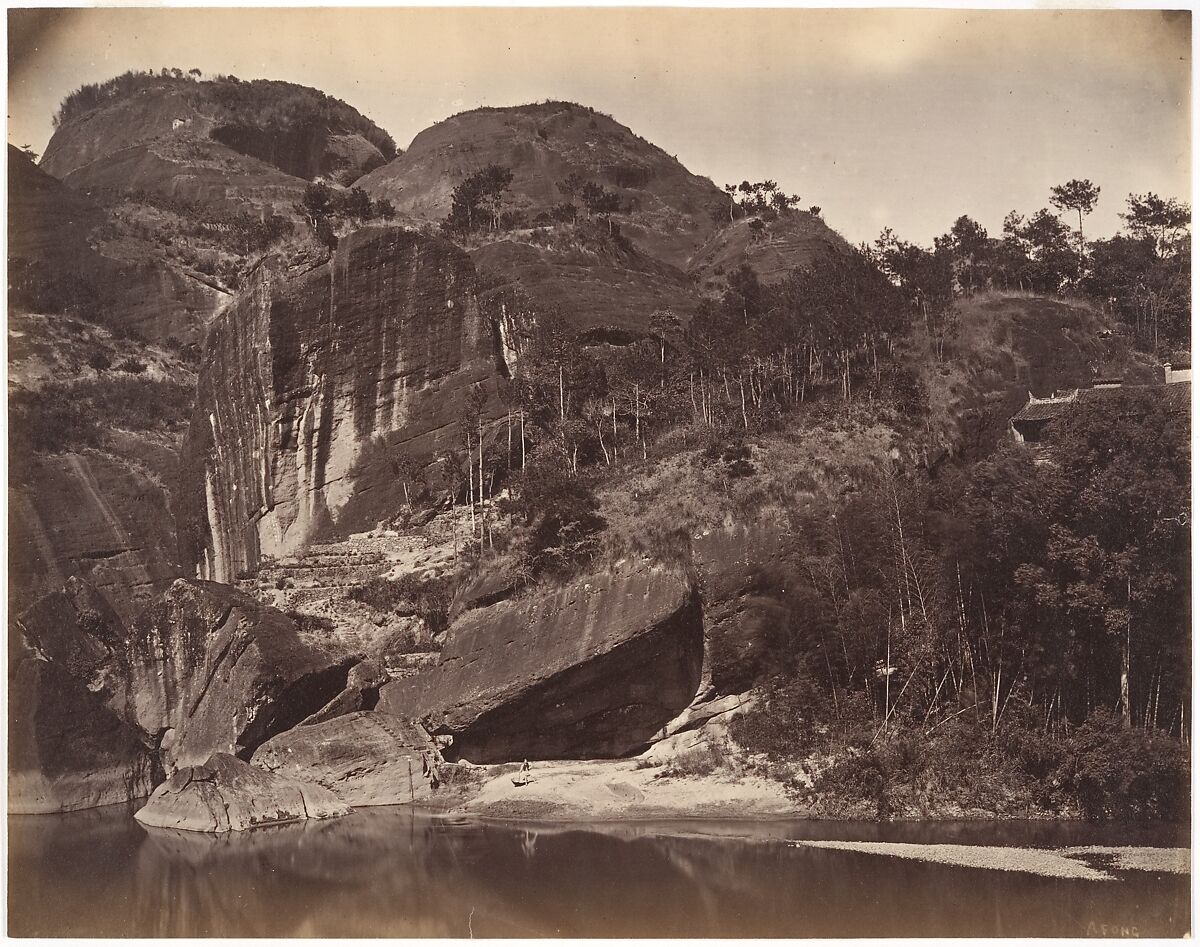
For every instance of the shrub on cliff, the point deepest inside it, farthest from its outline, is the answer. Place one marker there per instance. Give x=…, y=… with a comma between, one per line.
x=561, y=517
x=62, y=417
x=428, y=598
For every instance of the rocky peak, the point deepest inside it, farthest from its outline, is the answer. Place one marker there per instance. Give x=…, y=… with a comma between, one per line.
x=672, y=211
x=299, y=131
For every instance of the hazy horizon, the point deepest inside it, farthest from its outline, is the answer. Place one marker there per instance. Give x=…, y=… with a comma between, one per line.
x=900, y=118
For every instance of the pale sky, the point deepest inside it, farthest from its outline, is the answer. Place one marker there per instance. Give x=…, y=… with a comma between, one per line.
x=905, y=118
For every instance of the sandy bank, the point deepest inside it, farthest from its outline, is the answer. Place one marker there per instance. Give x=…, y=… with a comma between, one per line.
x=1084, y=862
x=617, y=789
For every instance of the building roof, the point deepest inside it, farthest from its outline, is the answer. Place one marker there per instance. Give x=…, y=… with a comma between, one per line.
x=1177, y=396
x=1041, y=411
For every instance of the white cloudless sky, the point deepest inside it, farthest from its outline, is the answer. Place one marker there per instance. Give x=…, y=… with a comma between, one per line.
x=892, y=117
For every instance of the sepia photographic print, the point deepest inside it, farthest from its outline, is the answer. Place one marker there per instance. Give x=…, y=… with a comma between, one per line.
x=599, y=472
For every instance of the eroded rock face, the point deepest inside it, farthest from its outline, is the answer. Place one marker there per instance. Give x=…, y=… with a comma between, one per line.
x=316, y=385
x=360, y=693
x=95, y=515
x=792, y=240
x=212, y=670
x=741, y=567
x=67, y=747
x=226, y=794
x=603, y=287
x=592, y=669
x=59, y=258
x=365, y=759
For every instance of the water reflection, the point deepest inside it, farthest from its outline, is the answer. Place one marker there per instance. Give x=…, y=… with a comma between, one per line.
x=393, y=872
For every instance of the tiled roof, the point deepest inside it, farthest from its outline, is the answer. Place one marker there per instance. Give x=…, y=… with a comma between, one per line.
x=1041, y=411
x=1178, y=397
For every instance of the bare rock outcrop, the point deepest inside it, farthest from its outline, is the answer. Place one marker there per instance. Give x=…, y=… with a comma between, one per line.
x=101, y=710
x=740, y=567
x=93, y=515
x=67, y=746
x=360, y=693
x=226, y=794
x=184, y=137
x=316, y=386
x=793, y=239
x=365, y=759
x=212, y=670
x=592, y=669
x=61, y=259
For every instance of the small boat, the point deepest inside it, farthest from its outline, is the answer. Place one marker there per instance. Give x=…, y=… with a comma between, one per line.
x=522, y=779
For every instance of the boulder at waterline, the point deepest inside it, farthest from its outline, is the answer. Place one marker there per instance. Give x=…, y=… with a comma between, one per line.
x=589, y=669
x=228, y=795
x=67, y=747
x=212, y=670
x=365, y=759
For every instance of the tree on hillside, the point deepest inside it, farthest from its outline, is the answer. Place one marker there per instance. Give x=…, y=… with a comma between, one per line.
x=666, y=329
x=731, y=190
x=1052, y=262
x=1164, y=221
x=323, y=207
x=571, y=185
x=482, y=191
x=973, y=250
x=597, y=200
x=1144, y=274
x=925, y=277
x=760, y=197
x=1081, y=565
x=1079, y=196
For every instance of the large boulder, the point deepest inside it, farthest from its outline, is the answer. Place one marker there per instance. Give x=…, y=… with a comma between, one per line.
x=365, y=758
x=67, y=748
x=591, y=669
x=226, y=794
x=212, y=670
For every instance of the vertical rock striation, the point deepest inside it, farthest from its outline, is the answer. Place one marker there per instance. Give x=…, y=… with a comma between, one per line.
x=314, y=387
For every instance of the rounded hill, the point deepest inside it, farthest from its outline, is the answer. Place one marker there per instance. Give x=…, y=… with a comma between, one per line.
x=666, y=211
x=121, y=132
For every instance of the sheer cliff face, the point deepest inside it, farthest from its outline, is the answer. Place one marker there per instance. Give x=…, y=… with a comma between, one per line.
x=316, y=386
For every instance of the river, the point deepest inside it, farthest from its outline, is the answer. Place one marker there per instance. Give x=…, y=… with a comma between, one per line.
x=395, y=872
